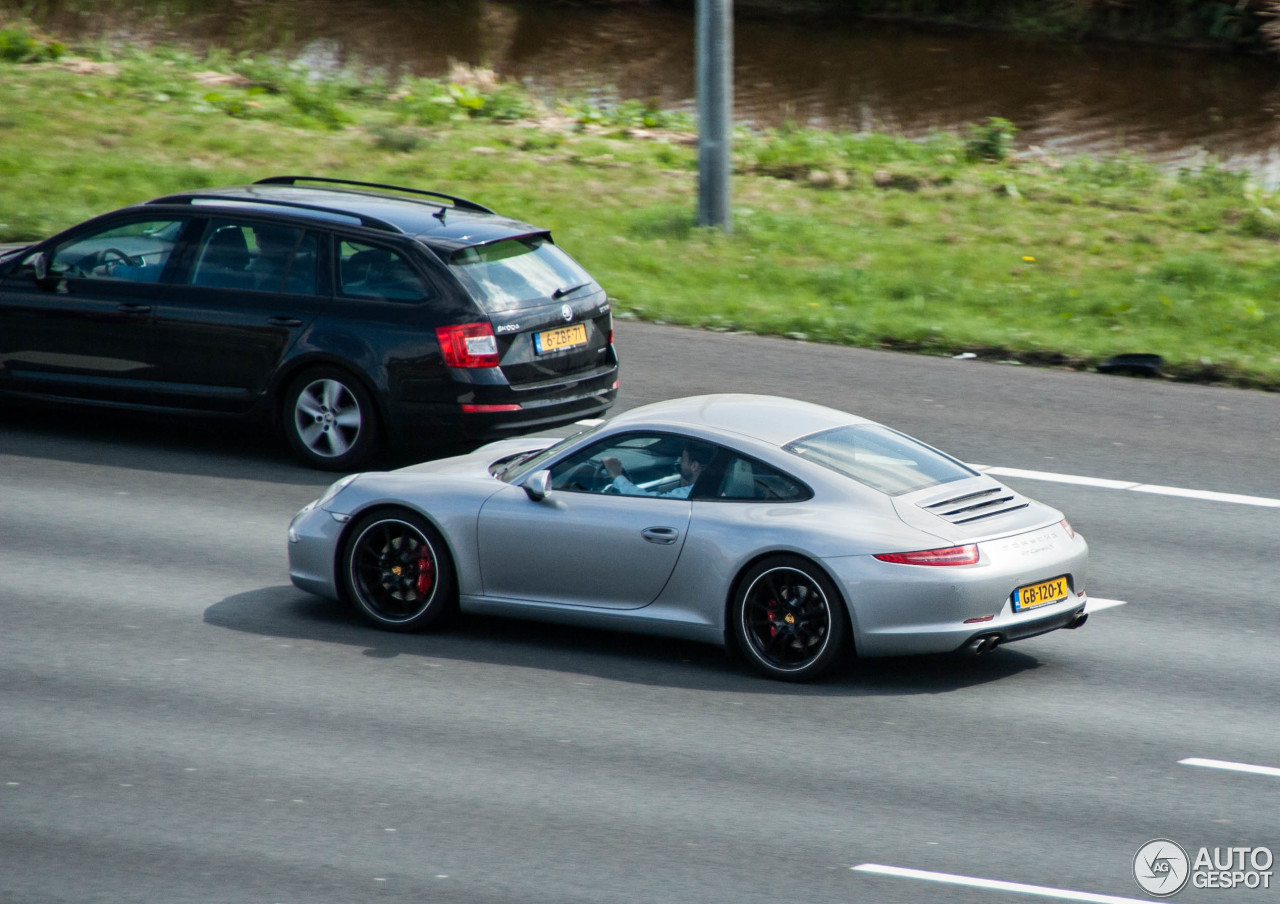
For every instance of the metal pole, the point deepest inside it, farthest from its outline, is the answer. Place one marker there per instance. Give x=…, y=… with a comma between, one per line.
x=715, y=111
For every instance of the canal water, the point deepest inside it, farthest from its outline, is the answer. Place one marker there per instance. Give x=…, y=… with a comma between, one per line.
x=1176, y=107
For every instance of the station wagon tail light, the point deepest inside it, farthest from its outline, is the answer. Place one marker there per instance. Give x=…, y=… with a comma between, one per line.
x=1066, y=525
x=949, y=555
x=468, y=345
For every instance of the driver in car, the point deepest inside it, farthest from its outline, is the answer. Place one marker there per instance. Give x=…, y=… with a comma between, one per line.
x=694, y=459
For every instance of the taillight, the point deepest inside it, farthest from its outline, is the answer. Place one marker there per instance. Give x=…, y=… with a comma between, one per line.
x=950, y=555
x=1066, y=525
x=468, y=345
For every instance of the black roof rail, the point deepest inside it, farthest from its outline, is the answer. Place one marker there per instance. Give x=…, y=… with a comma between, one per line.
x=233, y=201
x=461, y=203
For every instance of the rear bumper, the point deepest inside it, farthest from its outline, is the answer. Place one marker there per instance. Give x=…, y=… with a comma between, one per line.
x=900, y=610
x=949, y=637
x=479, y=413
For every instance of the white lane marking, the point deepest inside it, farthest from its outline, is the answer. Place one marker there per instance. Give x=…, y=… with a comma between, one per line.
x=1232, y=767
x=1209, y=495
x=1061, y=894
x=1097, y=604
x=1060, y=478
x=1132, y=486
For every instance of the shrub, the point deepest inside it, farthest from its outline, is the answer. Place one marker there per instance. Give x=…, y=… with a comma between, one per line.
x=18, y=46
x=992, y=140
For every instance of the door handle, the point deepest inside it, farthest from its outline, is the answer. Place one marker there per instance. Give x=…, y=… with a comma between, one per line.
x=664, y=536
x=284, y=321
x=134, y=309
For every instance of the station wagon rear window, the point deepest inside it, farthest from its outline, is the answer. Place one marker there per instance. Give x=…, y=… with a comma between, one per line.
x=512, y=274
x=881, y=458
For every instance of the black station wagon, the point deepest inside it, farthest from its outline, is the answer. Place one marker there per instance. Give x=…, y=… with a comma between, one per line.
x=351, y=314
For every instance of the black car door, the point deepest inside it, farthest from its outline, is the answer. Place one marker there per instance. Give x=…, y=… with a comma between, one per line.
x=250, y=289
x=85, y=331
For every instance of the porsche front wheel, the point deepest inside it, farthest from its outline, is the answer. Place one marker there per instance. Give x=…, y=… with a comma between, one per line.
x=397, y=571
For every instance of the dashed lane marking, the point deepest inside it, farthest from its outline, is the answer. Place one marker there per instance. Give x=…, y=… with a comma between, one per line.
x=1060, y=894
x=1231, y=767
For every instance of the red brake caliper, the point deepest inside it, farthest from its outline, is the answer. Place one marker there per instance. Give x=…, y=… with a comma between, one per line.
x=773, y=618
x=426, y=574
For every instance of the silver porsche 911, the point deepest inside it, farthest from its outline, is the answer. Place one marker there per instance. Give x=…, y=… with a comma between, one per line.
x=798, y=534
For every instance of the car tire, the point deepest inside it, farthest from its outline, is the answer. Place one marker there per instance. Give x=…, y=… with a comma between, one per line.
x=329, y=420
x=788, y=619
x=396, y=569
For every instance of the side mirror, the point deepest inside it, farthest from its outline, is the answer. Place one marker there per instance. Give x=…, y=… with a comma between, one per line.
x=40, y=267
x=538, y=485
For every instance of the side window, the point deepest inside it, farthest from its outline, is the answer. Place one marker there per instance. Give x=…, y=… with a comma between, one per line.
x=637, y=464
x=267, y=258
x=745, y=479
x=136, y=251
x=366, y=271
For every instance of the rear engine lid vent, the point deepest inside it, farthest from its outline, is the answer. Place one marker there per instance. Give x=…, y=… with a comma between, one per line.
x=975, y=504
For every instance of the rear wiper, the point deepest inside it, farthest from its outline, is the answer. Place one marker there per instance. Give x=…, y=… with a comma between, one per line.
x=561, y=293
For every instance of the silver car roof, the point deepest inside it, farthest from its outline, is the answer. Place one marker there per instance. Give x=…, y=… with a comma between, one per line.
x=768, y=419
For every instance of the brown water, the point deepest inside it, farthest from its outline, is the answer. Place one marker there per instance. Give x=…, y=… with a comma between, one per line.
x=1175, y=106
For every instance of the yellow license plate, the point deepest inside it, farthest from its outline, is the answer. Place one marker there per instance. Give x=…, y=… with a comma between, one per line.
x=1041, y=594
x=563, y=337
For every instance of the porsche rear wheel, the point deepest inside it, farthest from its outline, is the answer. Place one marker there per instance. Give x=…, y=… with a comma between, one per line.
x=397, y=571
x=788, y=619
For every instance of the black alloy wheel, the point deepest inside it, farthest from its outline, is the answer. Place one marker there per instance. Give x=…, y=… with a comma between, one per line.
x=397, y=571
x=788, y=619
x=329, y=420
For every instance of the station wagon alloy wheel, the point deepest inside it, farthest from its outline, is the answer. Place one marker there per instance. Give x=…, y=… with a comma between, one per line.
x=396, y=571
x=786, y=619
x=329, y=420
x=327, y=417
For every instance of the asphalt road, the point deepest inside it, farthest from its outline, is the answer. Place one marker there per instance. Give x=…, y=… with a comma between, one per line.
x=177, y=723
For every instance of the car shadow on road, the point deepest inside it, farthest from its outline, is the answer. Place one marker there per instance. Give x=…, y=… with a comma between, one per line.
x=141, y=441
x=286, y=612
x=147, y=442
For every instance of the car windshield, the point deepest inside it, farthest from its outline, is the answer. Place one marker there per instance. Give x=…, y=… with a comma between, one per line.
x=881, y=458
x=513, y=468
x=518, y=273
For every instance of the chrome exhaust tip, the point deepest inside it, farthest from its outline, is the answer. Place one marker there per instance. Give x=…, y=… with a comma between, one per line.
x=982, y=644
x=1079, y=620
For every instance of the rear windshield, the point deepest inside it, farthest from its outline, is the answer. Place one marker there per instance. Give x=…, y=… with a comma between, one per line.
x=518, y=273
x=881, y=458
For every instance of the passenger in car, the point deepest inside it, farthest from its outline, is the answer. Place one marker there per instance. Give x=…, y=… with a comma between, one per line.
x=224, y=261
x=275, y=248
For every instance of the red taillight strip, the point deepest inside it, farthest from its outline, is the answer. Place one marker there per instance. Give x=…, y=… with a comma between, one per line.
x=470, y=408
x=950, y=555
x=468, y=345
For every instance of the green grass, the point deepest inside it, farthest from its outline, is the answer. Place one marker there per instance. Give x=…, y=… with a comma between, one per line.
x=942, y=246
